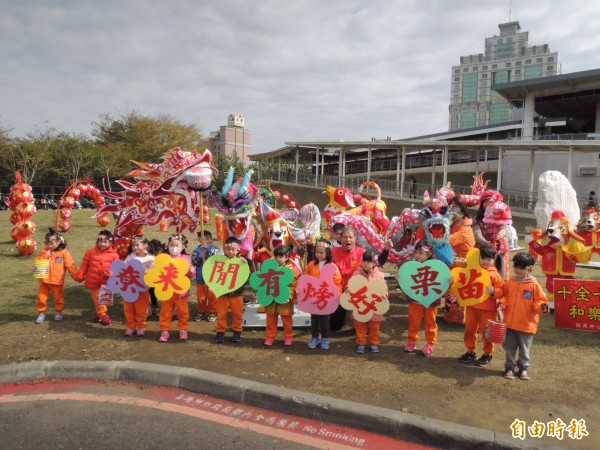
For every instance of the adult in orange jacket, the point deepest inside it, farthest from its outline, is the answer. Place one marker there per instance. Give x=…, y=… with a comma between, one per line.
x=523, y=301
x=59, y=260
x=461, y=238
x=95, y=270
x=348, y=258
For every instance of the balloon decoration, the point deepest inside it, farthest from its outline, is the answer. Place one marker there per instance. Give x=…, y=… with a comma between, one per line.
x=81, y=188
x=23, y=207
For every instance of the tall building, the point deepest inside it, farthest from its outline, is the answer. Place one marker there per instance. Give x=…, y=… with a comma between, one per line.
x=508, y=57
x=231, y=139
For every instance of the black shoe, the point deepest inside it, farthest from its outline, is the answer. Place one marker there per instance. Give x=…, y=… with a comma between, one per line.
x=220, y=338
x=485, y=359
x=468, y=357
x=237, y=336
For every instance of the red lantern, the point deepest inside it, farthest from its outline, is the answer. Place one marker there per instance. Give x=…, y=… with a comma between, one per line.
x=122, y=246
x=25, y=210
x=25, y=228
x=277, y=194
x=14, y=233
x=285, y=198
x=292, y=204
x=20, y=187
x=75, y=193
x=66, y=213
x=15, y=217
x=68, y=202
x=83, y=188
x=93, y=191
x=205, y=214
x=103, y=220
x=22, y=196
x=64, y=225
x=99, y=201
x=26, y=246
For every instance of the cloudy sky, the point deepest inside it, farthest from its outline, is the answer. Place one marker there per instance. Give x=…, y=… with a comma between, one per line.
x=296, y=70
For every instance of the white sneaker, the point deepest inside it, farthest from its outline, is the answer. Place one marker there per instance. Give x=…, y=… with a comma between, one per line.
x=40, y=318
x=57, y=317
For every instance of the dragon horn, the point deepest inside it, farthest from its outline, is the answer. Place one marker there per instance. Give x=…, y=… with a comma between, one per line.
x=228, y=182
x=246, y=181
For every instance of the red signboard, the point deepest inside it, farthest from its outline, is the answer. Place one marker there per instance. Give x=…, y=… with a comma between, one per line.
x=577, y=304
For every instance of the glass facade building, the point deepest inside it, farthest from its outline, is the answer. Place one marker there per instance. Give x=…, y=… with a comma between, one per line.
x=507, y=57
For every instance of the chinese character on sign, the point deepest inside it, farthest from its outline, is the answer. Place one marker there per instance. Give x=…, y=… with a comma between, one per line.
x=224, y=275
x=319, y=295
x=365, y=298
x=272, y=283
x=168, y=276
x=127, y=279
x=470, y=282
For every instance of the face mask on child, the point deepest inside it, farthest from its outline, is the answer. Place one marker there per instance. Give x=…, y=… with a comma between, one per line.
x=174, y=250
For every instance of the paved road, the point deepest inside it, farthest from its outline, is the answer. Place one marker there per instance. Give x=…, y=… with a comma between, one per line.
x=88, y=414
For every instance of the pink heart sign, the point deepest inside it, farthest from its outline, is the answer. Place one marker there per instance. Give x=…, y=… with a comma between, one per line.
x=424, y=282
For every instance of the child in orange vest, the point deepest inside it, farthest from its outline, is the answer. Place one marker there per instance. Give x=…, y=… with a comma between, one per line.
x=95, y=270
x=136, y=313
x=523, y=302
x=282, y=255
x=369, y=270
x=59, y=261
x=232, y=301
x=417, y=313
x=176, y=248
x=321, y=322
x=476, y=316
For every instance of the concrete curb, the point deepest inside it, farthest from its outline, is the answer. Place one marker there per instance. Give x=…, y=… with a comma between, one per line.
x=388, y=422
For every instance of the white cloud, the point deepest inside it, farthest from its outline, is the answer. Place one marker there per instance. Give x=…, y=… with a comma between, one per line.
x=347, y=69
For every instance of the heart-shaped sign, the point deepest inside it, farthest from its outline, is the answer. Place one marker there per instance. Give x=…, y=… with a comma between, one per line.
x=223, y=274
x=127, y=279
x=168, y=276
x=318, y=296
x=272, y=283
x=424, y=282
x=470, y=282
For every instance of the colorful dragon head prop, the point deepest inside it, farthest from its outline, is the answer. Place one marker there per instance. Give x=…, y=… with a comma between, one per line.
x=437, y=231
x=237, y=203
x=161, y=192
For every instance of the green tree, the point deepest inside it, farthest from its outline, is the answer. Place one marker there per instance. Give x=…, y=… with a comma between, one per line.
x=30, y=155
x=142, y=138
x=72, y=156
